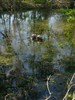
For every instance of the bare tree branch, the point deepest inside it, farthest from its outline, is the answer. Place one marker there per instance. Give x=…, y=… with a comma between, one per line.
x=71, y=84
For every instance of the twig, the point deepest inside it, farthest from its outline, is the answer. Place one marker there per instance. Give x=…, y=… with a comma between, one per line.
x=72, y=78
x=68, y=92
x=70, y=86
x=10, y=94
x=48, y=89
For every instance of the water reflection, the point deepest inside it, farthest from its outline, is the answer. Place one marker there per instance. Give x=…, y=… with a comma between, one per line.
x=28, y=57
x=20, y=26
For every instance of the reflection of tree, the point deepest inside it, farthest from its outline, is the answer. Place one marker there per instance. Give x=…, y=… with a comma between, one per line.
x=45, y=65
x=7, y=56
x=6, y=25
x=69, y=36
x=17, y=30
x=43, y=13
x=40, y=22
x=39, y=25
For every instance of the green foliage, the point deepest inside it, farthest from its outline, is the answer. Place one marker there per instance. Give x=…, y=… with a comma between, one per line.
x=70, y=19
x=69, y=30
x=40, y=27
x=69, y=63
x=45, y=68
x=6, y=58
x=70, y=96
x=61, y=45
x=40, y=1
x=68, y=12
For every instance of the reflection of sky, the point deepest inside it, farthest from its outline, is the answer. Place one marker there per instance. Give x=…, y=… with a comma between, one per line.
x=52, y=20
x=23, y=28
x=55, y=22
x=21, y=33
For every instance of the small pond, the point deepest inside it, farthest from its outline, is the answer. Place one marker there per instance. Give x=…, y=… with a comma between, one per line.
x=25, y=62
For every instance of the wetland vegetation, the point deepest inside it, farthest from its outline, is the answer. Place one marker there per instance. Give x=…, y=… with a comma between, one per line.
x=37, y=50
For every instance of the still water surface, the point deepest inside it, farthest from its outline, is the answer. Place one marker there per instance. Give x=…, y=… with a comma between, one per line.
x=19, y=50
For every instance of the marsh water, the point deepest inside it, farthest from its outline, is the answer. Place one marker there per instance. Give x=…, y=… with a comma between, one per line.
x=26, y=63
